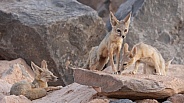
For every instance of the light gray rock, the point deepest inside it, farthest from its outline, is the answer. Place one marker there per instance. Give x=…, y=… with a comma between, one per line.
x=160, y=23
x=122, y=101
x=55, y=30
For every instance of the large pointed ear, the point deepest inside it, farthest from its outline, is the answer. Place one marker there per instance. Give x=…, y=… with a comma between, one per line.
x=35, y=68
x=113, y=19
x=168, y=63
x=44, y=64
x=125, y=48
x=133, y=51
x=126, y=20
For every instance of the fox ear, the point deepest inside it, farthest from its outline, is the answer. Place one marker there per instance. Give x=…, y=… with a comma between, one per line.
x=125, y=48
x=168, y=62
x=134, y=51
x=113, y=19
x=35, y=68
x=44, y=64
x=126, y=20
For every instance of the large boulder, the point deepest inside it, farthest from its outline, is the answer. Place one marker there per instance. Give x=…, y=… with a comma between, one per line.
x=138, y=86
x=158, y=23
x=103, y=6
x=57, y=31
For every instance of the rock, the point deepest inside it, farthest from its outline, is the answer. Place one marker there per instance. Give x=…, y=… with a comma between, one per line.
x=1, y=96
x=139, y=86
x=177, y=98
x=160, y=24
x=125, y=8
x=123, y=101
x=15, y=99
x=4, y=87
x=147, y=101
x=15, y=71
x=95, y=4
x=99, y=101
x=73, y=93
x=103, y=6
x=53, y=30
x=167, y=102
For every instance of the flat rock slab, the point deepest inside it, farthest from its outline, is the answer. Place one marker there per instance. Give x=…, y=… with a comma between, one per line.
x=73, y=93
x=130, y=86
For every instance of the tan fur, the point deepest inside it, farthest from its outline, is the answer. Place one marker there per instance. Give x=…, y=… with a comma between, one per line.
x=143, y=53
x=39, y=87
x=110, y=45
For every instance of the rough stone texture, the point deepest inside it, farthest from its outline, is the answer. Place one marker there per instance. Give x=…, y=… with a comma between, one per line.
x=103, y=6
x=57, y=31
x=137, y=86
x=15, y=71
x=73, y=93
x=99, y=101
x=177, y=98
x=159, y=23
x=123, y=101
x=4, y=89
x=147, y=101
x=15, y=99
x=10, y=73
x=167, y=102
x=129, y=6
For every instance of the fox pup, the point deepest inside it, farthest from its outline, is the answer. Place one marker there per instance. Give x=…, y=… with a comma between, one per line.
x=110, y=45
x=143, y=53
x=39, y=87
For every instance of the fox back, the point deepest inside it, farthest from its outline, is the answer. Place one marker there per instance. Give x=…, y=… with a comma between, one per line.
x=38, y=88
x=146, y=54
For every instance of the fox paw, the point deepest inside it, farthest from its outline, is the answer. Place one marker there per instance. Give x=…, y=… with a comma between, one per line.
x=132, y=72
x=118, y=72
x=94, y=70
x=59, y=87
x=158, y=74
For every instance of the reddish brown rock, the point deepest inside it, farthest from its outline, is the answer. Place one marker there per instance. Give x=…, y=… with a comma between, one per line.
x=147, y=101
x=130, y=86
x=177, y=98
x=4, y=87
x=15, y=99
x=15, y=70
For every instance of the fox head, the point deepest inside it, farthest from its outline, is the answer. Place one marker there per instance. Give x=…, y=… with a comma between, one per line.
x=120, y=28
x=127, y=55
x=43, y=74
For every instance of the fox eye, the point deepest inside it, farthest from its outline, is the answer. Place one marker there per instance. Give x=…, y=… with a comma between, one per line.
x=118, y=30
x=125, y=30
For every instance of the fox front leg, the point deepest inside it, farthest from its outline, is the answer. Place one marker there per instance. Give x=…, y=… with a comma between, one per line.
x=112, y=60
x=118, y=60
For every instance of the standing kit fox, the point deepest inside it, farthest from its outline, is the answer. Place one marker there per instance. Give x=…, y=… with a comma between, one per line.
x=110, y=45
x=39, y=87
x=143, y=53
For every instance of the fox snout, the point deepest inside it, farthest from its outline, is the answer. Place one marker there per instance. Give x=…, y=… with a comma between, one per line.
x=54, y=78
x=123, y=36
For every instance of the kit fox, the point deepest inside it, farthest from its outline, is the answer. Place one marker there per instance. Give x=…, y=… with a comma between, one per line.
x=110, y=45
x=143, y=53
x=39, y=87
